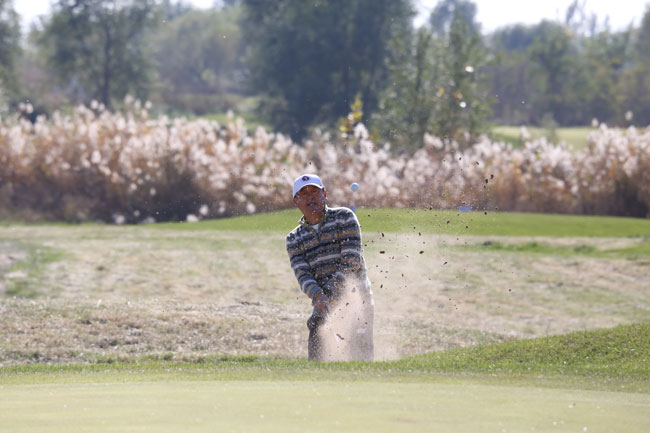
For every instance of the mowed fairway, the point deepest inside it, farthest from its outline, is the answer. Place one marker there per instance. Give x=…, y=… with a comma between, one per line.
x=484, y=323
x=316, y=406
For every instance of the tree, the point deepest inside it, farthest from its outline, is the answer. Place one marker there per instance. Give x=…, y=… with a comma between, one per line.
x=446, y=11
x=169, y=10
x=97, y=47
x=605, y=56
x=312, y=57
x=199, y=57
x=9, y=50
x=509, y=73
x=413, y=94
x=635, y=82
x=438, y=87
x=466, y=103
x=552, y=54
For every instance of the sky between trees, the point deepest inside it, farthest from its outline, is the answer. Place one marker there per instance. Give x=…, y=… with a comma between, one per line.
x=491, y=13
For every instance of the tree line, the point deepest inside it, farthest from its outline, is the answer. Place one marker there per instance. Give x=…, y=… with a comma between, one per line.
x=302, y=64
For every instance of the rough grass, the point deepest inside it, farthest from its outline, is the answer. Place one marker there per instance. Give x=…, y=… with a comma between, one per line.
x=26, y=275
x=613, y=359
x=184, y=291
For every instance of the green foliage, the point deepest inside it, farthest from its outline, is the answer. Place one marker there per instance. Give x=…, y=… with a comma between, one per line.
x=635, y=80
x=97, y=48
x=605, y=57
x=9, y=50
x=447, y=11
x=552, y=54
x=311, y=58
x=413, y=95
x=466, y=104
x=305, y=61
x=347, y=123
x=199, y=61
x=439, y=89
x=557, y=71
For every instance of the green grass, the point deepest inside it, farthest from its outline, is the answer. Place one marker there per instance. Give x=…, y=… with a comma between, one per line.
x=251, y=120
x=246, y=109
x=616, y=354
x=575, y=137
x=598, y=380
x=476, y=223
x=461, y=406
x=640, y=250
x=621, y=352
x=444, y=222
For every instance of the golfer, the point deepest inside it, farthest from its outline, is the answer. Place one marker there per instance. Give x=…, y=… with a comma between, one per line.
x=326, y=256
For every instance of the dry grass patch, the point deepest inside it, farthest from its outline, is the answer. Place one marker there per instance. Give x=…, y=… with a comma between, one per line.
x=131, y=292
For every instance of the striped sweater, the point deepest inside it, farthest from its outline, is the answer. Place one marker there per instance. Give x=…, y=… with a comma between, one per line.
x=323, y=259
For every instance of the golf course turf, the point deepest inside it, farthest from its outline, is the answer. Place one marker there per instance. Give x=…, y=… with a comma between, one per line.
x=595, y=380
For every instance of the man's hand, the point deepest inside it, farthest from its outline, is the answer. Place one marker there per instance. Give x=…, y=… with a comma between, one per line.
x=321, y=302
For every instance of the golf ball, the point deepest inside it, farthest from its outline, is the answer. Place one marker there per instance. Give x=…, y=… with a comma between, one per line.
x=354, y=187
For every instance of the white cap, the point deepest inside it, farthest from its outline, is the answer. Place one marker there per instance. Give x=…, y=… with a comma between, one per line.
x=304, y=180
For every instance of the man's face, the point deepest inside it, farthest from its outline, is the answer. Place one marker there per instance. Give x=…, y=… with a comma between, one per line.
x=311, y=202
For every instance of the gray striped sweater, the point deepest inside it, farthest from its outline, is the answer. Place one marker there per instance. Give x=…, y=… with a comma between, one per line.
x=323, y=259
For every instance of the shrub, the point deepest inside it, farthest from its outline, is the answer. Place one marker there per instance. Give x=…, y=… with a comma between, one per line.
x=92, y=164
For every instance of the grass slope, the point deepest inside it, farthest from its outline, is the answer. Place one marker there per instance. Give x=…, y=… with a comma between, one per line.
x=620, y=352
x=600, y=359
x=444, y=222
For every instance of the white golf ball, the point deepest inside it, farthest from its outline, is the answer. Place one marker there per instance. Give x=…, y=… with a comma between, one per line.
x=354, y=187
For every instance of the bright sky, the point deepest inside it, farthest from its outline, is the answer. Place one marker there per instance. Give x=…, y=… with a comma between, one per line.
x=491, y=13
x=497, y=13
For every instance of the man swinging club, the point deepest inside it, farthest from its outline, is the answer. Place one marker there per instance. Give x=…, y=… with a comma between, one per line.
x=326, y=256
